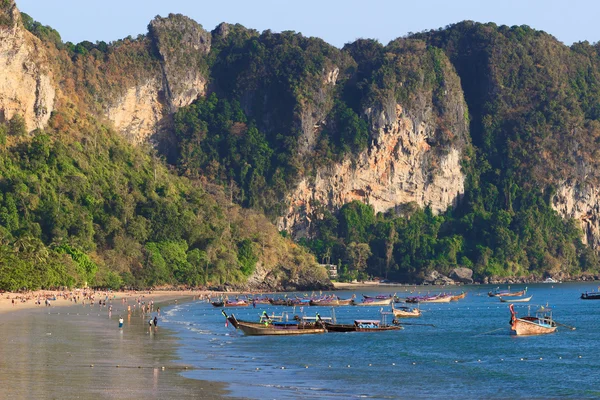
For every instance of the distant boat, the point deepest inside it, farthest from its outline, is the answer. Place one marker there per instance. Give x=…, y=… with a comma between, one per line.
x=541, y=324
x=550, y=280
x=437, y=298
x=331, y=301
x=506, y=293
x=361, y=325
x=235, y=303
x=374, y=302
x=406, y=312
x=521, y=300
x=459, y=296
x=590, y=296
x=275, y=328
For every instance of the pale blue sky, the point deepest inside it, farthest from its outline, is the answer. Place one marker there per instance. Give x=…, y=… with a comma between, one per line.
x=336, y=21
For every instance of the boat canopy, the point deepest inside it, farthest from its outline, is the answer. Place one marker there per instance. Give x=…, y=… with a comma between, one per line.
x=366, y=321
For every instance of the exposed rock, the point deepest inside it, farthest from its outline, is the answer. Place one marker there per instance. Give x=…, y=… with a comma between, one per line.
x=138, y=113
x=182, y=45
x=26, y=85
x=462, y=274
x=287, y=279
x=582, y=203
x=393, y=171
x=435, y=278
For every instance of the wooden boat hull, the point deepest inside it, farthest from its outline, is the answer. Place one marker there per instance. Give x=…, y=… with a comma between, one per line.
x=275, y=329
x=354, y=328
x=252, y=329
x=507, y=294
x=541, y=324
x=523, y=327
x=384, y=302
x=442, y=299
x=413, y=313
x=458, y=297
x=240, y=304
x=523, y=300
x=331, y=303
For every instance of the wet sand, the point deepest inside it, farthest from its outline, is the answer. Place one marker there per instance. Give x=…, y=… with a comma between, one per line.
x=78, y=352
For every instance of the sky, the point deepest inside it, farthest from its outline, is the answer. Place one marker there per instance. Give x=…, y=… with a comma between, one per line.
x=335, y=21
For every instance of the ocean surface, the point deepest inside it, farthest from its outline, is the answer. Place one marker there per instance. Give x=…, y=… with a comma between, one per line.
x=468, y=354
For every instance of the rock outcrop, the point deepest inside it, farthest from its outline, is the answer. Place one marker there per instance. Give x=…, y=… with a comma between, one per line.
x=181, y=46
x=391, y=172
x=582, y=203
x=26, y=83
x=462, y=274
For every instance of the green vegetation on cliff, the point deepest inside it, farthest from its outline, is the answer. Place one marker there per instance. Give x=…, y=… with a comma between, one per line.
x=97, y=211
x=79, y=205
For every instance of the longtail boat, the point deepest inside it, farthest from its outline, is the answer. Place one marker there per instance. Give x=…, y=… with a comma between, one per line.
x=235, y=303
x=541, y=324
x=506, y=293
x=218, y=303
x=281, y=302
x=331, y=301
x=361, y=325
x=275, y=328
x=260, y=300
x=373, y=302
x=438, y=298
x=522, y=300
x=406, y=312
x=459, y=296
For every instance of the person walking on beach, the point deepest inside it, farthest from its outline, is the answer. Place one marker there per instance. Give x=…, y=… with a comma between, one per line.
x=150, y=324
x=120, y=322
x=155, y=322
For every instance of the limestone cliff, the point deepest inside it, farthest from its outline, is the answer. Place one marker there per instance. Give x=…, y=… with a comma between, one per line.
x=181, y=44
x=393, y=171
x=415, y=151
x=582, y=203
x=26, y=84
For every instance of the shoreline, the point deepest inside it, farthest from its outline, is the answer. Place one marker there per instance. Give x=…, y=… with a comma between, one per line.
x=43, y=346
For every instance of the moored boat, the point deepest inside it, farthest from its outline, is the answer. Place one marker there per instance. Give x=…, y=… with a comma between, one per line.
x=521, y=300
x=276, y=328
x=281, y=302
x=541, y=324
x=235, y=303
x=590, y=296
x=506, y=293
x=406, y=312
x=331, y=301
x=374, y=302
x=438, y=298
x=550, y=280
x=361, y=325
x=459, y=296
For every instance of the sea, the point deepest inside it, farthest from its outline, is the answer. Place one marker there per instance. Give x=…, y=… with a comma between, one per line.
x=460, y=349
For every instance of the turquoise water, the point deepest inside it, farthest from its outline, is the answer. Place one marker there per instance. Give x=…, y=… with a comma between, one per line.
x=468, y=354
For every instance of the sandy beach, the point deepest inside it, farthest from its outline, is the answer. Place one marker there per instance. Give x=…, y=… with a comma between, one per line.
x=71, y=350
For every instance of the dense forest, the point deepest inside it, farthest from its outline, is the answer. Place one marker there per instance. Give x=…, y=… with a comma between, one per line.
x=79, y=205
x=522, y=114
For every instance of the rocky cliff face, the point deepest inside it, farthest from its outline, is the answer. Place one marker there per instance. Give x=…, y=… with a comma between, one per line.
x=582, y=203
x=26, y=84
x=181, y=45
x=393, y=171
